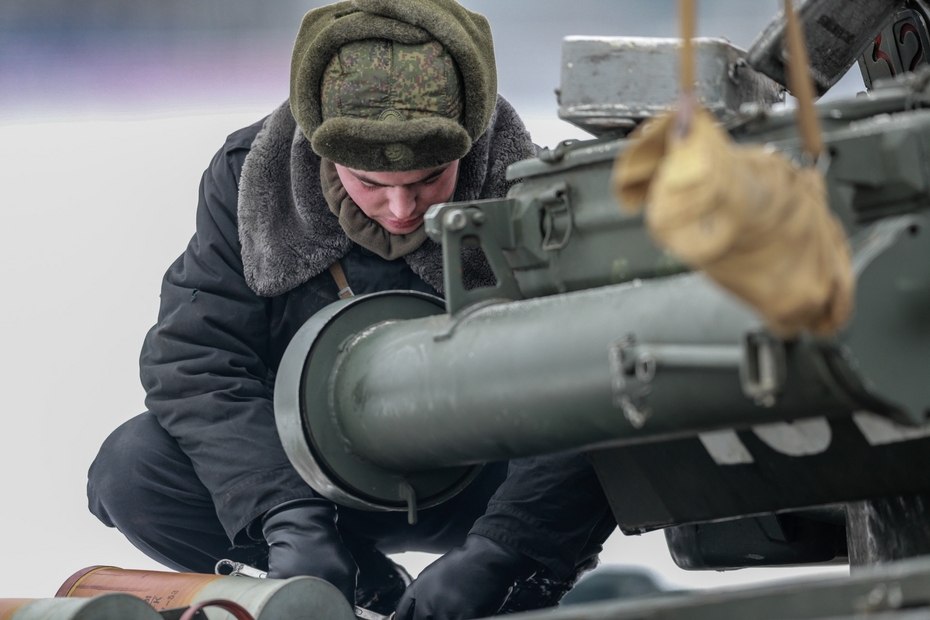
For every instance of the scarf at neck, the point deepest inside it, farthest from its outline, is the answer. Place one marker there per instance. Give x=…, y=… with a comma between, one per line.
x=359, y=227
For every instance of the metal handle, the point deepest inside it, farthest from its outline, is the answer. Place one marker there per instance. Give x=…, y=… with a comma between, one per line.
x=238, y=611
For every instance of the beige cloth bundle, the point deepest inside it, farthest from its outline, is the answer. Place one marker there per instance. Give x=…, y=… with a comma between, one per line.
x=753, y=221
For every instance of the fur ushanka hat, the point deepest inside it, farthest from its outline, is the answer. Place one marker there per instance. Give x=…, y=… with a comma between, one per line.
x=389, y=140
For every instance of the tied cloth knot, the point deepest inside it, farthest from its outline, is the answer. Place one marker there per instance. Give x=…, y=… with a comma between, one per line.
x=748, y=217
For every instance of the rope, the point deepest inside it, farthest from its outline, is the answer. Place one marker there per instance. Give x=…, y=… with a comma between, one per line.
x=801, y=84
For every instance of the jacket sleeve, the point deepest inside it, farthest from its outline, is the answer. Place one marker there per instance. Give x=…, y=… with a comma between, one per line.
x=205, y=366
x=552, y=509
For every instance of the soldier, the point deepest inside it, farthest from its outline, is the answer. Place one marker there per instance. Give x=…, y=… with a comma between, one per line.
x=393, y=108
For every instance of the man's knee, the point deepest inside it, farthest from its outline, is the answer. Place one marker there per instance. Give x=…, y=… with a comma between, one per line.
x=119, y=480
x=143, y=484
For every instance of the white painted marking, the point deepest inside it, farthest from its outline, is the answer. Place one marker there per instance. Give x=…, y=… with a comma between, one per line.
x=879, y=430
x=801, y=438
x=725, y=447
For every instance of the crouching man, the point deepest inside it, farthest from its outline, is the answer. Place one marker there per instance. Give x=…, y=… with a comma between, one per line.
x=393, y=108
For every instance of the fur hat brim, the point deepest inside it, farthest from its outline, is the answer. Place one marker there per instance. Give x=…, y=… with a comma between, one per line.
x=376, y=146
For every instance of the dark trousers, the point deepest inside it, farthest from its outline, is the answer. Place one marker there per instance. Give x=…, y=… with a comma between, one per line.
x=145, y=486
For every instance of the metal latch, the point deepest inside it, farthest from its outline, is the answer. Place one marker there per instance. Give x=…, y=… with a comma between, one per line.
x=763, y=371
x=556, y=214
x=634, y=365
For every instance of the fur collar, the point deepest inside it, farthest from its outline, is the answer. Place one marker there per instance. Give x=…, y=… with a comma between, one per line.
x=288, y=233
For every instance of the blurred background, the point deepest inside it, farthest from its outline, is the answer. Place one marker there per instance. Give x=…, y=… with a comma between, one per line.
x=109, y=112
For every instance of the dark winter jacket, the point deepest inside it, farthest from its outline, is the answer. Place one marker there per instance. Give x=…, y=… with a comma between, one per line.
x=254, y=272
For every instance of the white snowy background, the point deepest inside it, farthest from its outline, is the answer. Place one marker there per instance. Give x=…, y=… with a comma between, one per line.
x=98, y=184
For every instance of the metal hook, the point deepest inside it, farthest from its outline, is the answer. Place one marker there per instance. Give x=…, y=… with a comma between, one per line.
x=238, y=569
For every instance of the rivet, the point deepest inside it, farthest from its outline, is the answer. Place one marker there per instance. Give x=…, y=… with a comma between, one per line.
x=455, y=220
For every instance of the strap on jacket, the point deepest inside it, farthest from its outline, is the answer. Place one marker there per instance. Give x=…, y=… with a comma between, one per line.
x=339, y=276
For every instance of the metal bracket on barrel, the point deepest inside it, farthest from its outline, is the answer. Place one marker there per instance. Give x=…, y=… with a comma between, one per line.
x=763, y=368
x=761, y=362
x=634, y=365
x=478, y=224
x=557, y=221
x=410, y=495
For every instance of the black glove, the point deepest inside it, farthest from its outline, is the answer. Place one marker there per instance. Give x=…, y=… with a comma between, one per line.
x=471, y=581
x=303, y=540
x=381, y=581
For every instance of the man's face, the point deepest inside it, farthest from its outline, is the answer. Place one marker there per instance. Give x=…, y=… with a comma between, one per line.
x=399, y=200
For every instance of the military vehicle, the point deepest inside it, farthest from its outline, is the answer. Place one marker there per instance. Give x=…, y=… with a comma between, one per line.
x=746, y=448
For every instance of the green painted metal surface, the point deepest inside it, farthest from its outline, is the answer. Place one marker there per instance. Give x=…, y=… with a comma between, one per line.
x=899, y=592
x=559, y=355
x=624, y=364
x=297, y=598
x=312, y=435
x=103, y=607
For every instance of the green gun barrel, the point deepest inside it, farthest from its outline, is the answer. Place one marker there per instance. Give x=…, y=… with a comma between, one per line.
x=386, y=402
x=594, y=337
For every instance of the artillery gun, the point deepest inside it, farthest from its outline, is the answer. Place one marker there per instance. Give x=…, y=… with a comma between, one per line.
x=746, y=448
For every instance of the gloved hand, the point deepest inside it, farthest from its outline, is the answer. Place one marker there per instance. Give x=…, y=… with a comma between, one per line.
x=471, y=581
x=303, y=540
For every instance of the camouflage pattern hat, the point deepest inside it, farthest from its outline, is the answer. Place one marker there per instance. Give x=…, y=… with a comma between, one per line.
x=393, y=85
x=415, y=88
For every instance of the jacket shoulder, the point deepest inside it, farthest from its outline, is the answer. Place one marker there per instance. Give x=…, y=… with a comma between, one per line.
x=237, y=146
x=242, y=138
